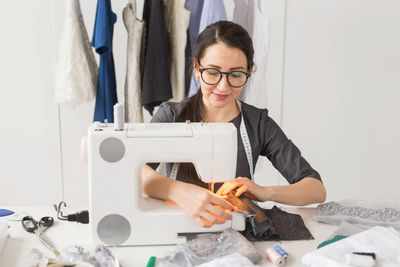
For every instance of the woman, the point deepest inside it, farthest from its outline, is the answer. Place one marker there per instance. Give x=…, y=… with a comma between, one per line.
x=223, y=61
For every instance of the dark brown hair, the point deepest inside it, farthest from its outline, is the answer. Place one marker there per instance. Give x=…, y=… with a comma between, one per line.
x=232, y=35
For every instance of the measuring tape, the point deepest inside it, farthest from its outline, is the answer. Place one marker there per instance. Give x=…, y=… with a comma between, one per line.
x=246, y=144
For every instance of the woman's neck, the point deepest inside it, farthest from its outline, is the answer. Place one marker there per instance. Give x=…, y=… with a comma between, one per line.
x=225, y=114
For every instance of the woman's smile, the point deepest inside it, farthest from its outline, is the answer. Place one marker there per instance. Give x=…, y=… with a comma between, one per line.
x=219, y=96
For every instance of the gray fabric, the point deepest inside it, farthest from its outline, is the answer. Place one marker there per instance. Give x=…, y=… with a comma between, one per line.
x=266, y=138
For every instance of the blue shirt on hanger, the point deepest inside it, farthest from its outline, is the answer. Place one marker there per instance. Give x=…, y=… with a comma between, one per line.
x=102, y=41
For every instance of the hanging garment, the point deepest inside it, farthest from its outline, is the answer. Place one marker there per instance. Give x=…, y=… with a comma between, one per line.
x=195, y=7
x=249, y=15
x=213, y=11
x=177, y=22
x=76, y=68
x=133, y=94
x=102, y=41
x=156, y=83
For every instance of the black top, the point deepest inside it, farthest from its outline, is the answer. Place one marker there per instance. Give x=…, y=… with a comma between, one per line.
x=266, y=139
x=156, y=83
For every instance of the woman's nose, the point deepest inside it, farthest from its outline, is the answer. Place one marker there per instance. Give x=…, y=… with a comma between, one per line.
x=223, y=84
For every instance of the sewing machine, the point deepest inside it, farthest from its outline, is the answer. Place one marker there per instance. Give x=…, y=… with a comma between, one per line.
x=119, y=212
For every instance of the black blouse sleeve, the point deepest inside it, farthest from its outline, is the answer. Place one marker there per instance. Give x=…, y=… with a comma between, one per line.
x=283, y=154
x=165, y=113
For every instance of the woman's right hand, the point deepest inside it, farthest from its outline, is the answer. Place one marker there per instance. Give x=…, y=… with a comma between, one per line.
x=203, y=206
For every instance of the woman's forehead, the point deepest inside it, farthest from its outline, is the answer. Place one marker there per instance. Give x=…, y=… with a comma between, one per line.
x=224, y=57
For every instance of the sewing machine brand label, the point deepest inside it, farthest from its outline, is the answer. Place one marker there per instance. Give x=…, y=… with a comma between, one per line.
x=160, y=130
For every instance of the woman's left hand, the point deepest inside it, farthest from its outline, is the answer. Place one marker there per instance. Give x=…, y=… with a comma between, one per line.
x=244, y=186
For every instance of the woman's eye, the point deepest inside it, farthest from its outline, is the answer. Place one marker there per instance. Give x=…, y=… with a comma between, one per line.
x=213, y=72
x=237, y=74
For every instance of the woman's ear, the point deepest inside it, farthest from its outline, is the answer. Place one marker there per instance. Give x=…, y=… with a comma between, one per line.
x=252, y=68
x=196, y=67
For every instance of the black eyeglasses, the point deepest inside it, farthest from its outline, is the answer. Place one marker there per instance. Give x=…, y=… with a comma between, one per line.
x=213, y=76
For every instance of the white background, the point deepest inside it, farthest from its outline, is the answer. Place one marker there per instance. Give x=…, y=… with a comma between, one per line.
x=333, y=85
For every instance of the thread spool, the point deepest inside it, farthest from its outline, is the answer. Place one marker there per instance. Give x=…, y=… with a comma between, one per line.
x=119, y=117
x=281, y=251
x=275, y=257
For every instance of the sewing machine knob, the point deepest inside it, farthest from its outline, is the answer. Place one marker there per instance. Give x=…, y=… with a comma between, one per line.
x=112, y=149
x=96, y=126
x=114, y=229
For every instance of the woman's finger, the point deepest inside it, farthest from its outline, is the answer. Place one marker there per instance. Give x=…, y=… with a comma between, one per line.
x=241, y=190
x=217, y=200
x=222, y=188
x=230, y=187
x=202, y=222
x=208, y=219
x=220, y=213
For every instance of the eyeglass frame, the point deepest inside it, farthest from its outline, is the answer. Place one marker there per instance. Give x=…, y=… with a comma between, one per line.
x=222, y=74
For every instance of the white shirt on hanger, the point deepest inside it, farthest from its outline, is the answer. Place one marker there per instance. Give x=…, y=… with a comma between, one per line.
x=249, y=15
x=75, y=74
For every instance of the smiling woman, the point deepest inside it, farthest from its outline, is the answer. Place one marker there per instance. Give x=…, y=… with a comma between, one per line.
x=223, y=62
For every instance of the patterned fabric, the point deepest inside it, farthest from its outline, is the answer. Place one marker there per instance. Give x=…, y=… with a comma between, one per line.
x=334, y=212
x=76, y=68
x=133, y=93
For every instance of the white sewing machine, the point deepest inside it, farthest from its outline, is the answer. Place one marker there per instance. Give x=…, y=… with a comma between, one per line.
x=119, y=213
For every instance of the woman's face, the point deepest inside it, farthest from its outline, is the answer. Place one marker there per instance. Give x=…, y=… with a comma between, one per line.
x=225, y=59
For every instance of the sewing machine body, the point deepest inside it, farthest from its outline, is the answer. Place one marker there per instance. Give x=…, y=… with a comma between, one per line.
x=119, y=213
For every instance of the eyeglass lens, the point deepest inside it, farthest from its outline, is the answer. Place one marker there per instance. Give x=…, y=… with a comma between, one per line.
x=213, y=76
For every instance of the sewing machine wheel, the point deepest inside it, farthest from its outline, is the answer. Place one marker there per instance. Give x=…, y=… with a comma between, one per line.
x=112, y=149
x=113, y=229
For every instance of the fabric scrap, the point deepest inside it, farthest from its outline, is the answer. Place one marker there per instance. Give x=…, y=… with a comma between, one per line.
x=269, y=224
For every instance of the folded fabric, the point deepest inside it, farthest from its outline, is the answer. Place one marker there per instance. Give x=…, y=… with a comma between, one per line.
x=384, y=242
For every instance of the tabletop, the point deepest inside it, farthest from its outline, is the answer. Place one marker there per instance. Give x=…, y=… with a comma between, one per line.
x=63, y=234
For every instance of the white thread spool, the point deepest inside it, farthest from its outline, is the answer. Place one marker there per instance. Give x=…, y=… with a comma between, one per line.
x=119, y=117
x=275, y=257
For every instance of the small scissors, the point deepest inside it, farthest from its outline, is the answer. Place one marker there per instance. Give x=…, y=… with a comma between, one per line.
x=38, y=228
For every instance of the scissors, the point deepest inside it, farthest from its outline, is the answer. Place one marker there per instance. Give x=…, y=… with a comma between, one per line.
x=32, y=226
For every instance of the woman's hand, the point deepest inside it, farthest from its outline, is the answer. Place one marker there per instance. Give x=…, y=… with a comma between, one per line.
x=244, y=186
x=203, y=206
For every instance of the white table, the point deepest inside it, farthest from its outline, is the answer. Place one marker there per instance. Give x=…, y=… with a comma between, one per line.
x=63, y=234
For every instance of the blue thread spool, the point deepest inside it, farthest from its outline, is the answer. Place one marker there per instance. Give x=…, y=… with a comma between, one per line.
x=282, y=252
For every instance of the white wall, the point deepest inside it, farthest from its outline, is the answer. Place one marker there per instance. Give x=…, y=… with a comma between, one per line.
x=332, y=82
x=341, y=93
x=29, y=161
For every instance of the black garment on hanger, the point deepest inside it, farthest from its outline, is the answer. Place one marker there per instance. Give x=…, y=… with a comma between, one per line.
x=156, y=83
